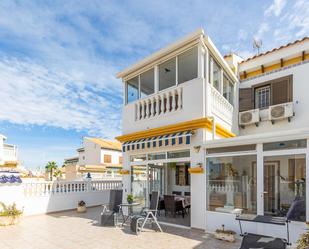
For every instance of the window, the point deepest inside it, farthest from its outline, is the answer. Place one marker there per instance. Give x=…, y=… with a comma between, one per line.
x=138, y=158
x=156, y=156
x=147, y=83
x=178, y=154
x=216, y=78
x=167, y=74
x=231, y=184
x=262, y=97
x=284, y=186
x=283, y=145
x=132, y=90
x=107, y=158
x=182, y=174
x=187, y=65
x=120, y=160
x=228, y=89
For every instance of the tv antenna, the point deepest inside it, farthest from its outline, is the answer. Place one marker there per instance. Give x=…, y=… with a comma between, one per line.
x=257, y=44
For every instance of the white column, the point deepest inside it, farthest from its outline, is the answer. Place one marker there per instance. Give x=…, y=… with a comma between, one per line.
x=200, y=60
x=167, y=102
x=147, y=108
x=211, y=70
x=174, y=100
x=157, y=105
x=307, y=181
x=260, y=179
x=176, y=76
x=221, y=81
x=156, y=79
x=152, y=107
x=143, y=110
x=125, y=90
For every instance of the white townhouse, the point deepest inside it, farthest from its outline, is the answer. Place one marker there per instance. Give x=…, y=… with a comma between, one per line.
x=8, y=155
x=223, y=136
x=101, y=158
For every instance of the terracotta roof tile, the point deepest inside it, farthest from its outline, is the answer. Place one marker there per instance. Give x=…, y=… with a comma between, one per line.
x=275, y=49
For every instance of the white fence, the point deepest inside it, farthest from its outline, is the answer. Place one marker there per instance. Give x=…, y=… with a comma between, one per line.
x=161, y=103
x=46, y=197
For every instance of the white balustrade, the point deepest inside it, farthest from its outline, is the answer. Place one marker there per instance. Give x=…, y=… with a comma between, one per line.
x=159, y=104
x=220, y=106
x=68, y=187
x=223, y=188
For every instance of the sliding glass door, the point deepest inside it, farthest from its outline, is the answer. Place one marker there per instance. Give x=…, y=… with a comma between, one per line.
x=156, y=178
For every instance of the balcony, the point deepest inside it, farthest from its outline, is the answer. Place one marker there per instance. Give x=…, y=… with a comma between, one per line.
x=160, y=104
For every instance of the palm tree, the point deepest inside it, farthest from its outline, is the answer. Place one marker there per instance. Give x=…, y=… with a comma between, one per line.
x=50, y=167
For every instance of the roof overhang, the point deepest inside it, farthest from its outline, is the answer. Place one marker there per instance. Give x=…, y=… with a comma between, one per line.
x=171, y=51
x=259, y=138
x=183, y=126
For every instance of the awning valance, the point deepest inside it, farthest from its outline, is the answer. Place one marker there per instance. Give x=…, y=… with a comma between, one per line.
x=178, y=138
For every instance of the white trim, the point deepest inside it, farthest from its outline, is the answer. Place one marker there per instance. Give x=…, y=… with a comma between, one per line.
x=236, y=153
x=307, y=181
x=259, y=180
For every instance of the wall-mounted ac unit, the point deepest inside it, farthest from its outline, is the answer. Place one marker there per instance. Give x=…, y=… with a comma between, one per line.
x=249, y=117
x=281, y=111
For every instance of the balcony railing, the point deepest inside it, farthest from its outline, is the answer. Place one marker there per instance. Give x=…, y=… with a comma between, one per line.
x=167, y=101
x=220, y=106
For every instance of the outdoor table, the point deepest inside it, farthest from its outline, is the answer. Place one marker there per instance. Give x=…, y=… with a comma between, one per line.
x=130, y=210
x=185, y=200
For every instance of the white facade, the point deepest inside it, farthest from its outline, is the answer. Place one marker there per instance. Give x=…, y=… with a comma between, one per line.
x=209, y=105
x=8, y=153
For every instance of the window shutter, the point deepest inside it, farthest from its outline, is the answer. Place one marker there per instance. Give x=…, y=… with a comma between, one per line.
x=245, y=99
x=282, y=90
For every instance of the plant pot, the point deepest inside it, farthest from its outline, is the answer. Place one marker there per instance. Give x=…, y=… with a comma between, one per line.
x=81, y=209
x=9, y=220
x=225, y=236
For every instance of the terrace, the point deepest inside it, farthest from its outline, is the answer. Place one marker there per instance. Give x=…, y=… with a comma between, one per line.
x=69, y=230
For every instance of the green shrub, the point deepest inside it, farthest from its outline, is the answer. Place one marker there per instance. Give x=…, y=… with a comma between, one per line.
x=9, y=210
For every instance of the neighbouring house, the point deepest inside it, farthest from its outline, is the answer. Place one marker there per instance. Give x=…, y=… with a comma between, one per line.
x=101, y=158
x=223, y=134
x=8, y=155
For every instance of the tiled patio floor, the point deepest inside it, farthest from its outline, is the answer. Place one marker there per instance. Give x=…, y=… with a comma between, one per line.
x=69, y=230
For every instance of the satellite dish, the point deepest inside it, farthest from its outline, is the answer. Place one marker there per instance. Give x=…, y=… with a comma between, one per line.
x=257, y=44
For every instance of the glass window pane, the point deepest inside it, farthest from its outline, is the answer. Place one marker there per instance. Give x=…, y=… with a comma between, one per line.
x=187, y=65
x=231, y=184
x=178, y=154
x=247, y=147
x=138, y=158
x=284, y=145
x=156, y=156
x=262, y=97
x=216, y=75
x=147, y=83
x=228, y=89
x=284, y=186
x=167, y=74
x=132, y=90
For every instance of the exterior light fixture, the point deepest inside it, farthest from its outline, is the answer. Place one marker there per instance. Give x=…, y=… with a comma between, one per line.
x=197, y=148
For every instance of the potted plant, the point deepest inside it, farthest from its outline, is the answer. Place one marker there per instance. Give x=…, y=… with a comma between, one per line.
x=81, y=207
x=9, y=214
x=130, y=198
x=226, y=235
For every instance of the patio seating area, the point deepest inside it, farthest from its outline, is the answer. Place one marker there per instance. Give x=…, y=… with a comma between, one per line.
x=70, y=229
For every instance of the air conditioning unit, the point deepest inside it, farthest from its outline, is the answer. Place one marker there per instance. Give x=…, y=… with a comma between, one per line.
x=281, y=111
x=249, y=117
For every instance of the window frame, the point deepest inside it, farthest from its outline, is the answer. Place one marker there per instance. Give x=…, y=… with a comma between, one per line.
x=261, y=88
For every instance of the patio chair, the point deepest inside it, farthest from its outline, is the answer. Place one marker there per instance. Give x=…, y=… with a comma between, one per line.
x=173, y=206
x=111, y=209
x=148, y=215
x=176, y=192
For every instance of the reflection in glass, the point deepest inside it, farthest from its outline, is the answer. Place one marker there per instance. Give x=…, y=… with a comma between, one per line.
x=167, y=74
x=231, y=184
x=132, y=90
x=147, y=83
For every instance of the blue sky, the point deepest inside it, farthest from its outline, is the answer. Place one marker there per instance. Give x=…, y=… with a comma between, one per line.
x=58, y=59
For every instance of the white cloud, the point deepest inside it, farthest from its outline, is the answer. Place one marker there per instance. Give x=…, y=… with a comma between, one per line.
x=33, y=94
x=275, y=8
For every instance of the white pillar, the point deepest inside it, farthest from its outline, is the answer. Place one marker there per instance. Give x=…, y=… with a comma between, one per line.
x=221, y=81
x=200, y=60
x=156, y=79
x=307, y=181
x=260, y=179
